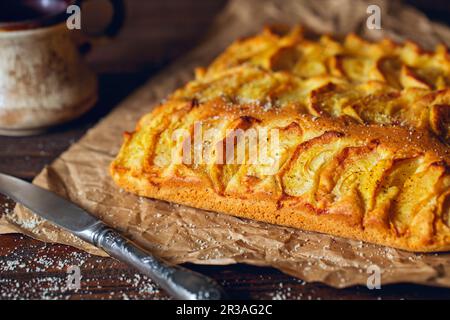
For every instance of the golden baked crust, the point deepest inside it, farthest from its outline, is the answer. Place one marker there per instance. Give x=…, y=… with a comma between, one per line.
x=356, y=153
x=379, y=83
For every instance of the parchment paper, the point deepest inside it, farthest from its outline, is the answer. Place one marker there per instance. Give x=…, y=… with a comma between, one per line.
x=183, y=234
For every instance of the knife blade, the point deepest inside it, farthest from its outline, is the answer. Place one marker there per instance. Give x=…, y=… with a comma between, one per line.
x=179, y=282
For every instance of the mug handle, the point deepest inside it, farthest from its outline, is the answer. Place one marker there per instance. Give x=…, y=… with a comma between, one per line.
x=117, y=20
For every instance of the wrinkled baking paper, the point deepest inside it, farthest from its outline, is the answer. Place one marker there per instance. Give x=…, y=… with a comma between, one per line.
x=183, y=234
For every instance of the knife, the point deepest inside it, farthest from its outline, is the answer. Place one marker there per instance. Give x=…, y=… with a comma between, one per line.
x=179, y=282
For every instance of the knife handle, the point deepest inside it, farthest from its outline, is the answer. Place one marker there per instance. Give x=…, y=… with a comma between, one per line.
x=179, y=282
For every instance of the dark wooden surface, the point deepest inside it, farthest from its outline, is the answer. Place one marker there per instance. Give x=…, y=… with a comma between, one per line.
x=30, y=269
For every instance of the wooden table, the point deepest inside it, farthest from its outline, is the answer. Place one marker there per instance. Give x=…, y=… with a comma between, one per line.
x=32, y=269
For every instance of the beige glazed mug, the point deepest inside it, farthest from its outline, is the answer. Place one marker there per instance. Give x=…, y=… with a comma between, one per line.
x=44, y=80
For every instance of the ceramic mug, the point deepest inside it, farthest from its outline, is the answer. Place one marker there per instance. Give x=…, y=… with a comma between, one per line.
x=44, y=80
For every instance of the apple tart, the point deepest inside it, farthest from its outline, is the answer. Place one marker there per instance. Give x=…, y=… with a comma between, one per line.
x=348, y=138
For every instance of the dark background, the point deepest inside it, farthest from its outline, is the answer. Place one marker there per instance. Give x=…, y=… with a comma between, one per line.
x=157, y=31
